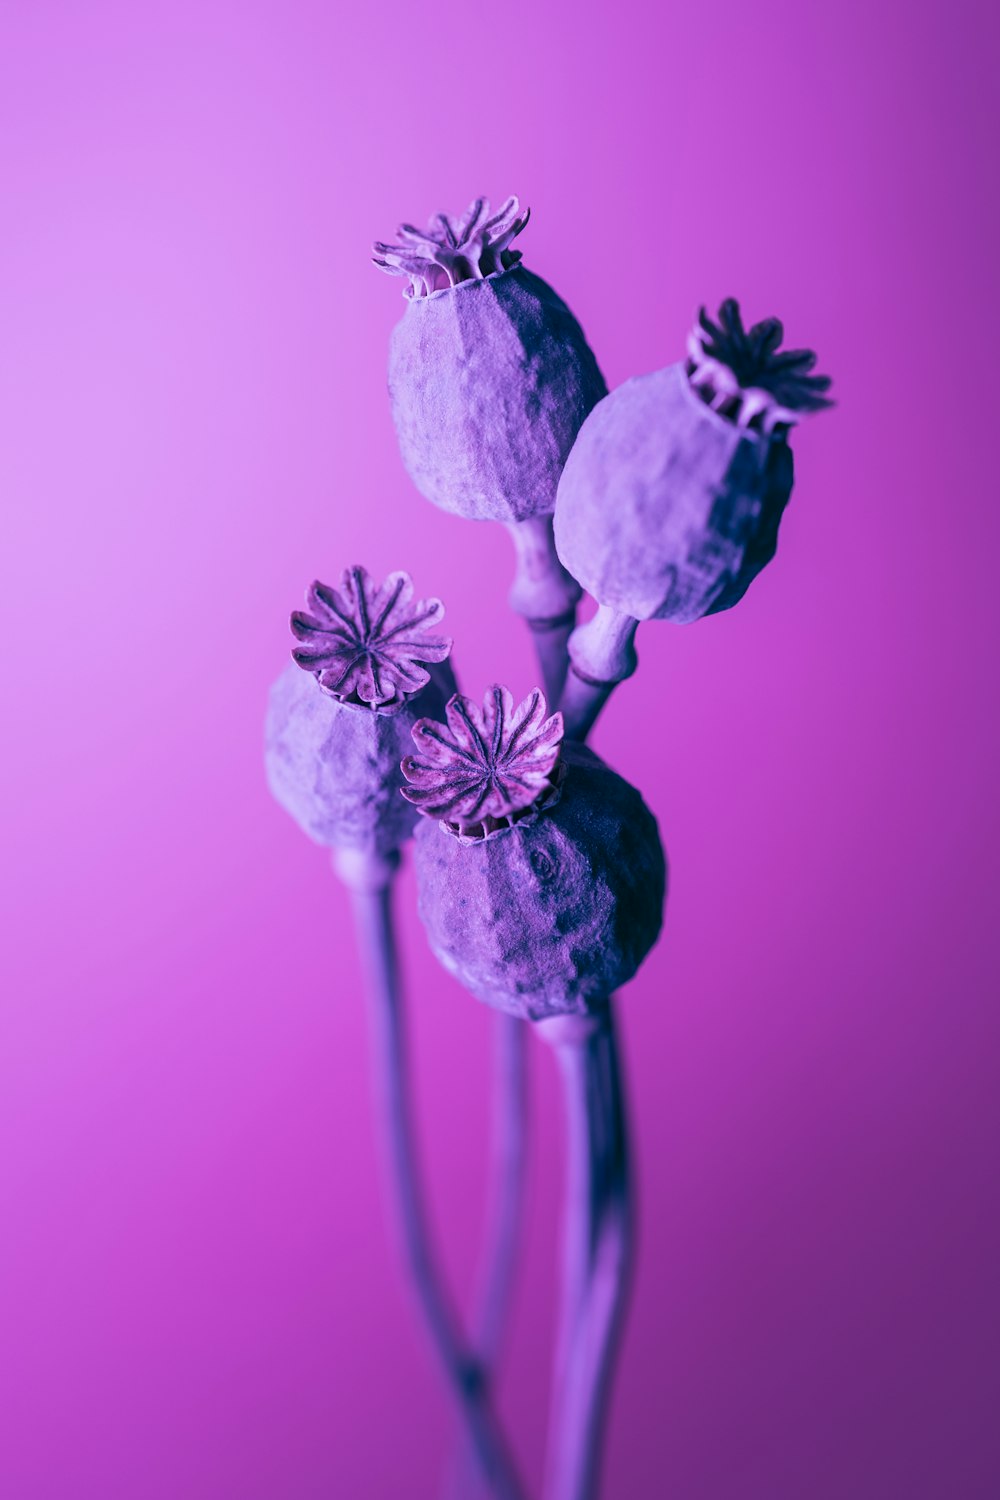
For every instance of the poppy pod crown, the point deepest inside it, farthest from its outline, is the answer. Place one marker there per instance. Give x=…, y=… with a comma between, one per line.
x=366, y=644
x=485, y=769
x=745, y=376
x=452, y=250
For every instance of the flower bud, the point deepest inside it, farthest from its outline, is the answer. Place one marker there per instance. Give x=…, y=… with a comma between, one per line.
x=340, y=715
x=669, y=503
x=490, y=375
x=540, y=872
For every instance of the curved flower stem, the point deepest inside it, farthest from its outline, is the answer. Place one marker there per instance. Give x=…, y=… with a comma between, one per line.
x=546, y=596
x=602, y=654
x=506, y=1211
x=597, y=1250
x=370, y=884
x=509, y=1158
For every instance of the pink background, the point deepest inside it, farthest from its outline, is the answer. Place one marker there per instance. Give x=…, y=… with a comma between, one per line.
x=199, y=1302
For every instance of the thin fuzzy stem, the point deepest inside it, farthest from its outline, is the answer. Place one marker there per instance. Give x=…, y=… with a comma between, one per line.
x=598, y=1250
x=505, y=1216
x=371, y=899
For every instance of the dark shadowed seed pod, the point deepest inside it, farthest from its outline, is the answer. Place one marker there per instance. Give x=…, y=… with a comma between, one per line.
x=540, y=872
x=339, y=717
x=490, y=375
x=670, y=501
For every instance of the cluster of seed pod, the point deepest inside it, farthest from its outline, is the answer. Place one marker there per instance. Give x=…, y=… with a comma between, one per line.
x=541, y=874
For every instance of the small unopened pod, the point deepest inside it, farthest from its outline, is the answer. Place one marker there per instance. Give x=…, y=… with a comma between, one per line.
x=540, y=872
x=490, y=375
x=367, y=665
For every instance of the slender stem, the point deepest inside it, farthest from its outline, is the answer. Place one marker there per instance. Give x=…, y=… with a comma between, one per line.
x=599, y=1224
x=370, y=885
x=551, y=641
x=507, y=1174
x=547, y=596
x=602, y=654
x=597, y=1249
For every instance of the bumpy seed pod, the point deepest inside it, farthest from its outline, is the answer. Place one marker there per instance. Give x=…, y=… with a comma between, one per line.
x=670, y=501
x=490, y=375
x=540, y=871
x=340, y=716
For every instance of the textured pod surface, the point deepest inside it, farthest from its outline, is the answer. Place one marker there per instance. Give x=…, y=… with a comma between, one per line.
x=489, y=382
x=550, y=917
x=666, y=509
x=335, y=767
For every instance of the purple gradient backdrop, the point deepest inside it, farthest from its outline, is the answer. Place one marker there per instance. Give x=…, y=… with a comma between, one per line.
x=198, y=1298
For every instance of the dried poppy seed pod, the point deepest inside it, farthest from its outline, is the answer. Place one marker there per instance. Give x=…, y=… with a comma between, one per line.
x=490, y=377
x=540, y=872
x=339, y=717
x=670, y=501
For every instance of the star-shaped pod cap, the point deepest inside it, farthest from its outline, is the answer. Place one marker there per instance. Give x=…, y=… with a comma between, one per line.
x=743, y=374
x=365, y=643
x=452, y=250
x=486, y=768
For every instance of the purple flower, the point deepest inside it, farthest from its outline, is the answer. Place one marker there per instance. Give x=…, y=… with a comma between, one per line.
x=364, y=644
x=486, y=766
x=670, y=501
x=490, y=375
x=449, y=251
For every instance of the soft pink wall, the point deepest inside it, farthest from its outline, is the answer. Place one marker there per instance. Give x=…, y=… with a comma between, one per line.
x=199, y=1303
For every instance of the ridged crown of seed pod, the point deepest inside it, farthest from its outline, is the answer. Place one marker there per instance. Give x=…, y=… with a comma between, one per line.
x=746, y=376
x=367, y=664
x=490, y=375
x=669, y=503
x=450, y=251
x=540, y=872
x=366, y=644
x=487, y=768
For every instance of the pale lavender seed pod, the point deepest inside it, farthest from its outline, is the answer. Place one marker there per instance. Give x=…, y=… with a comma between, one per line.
x=540, y=872
x=670, y=500
x=339, y=719
x=490, y=375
